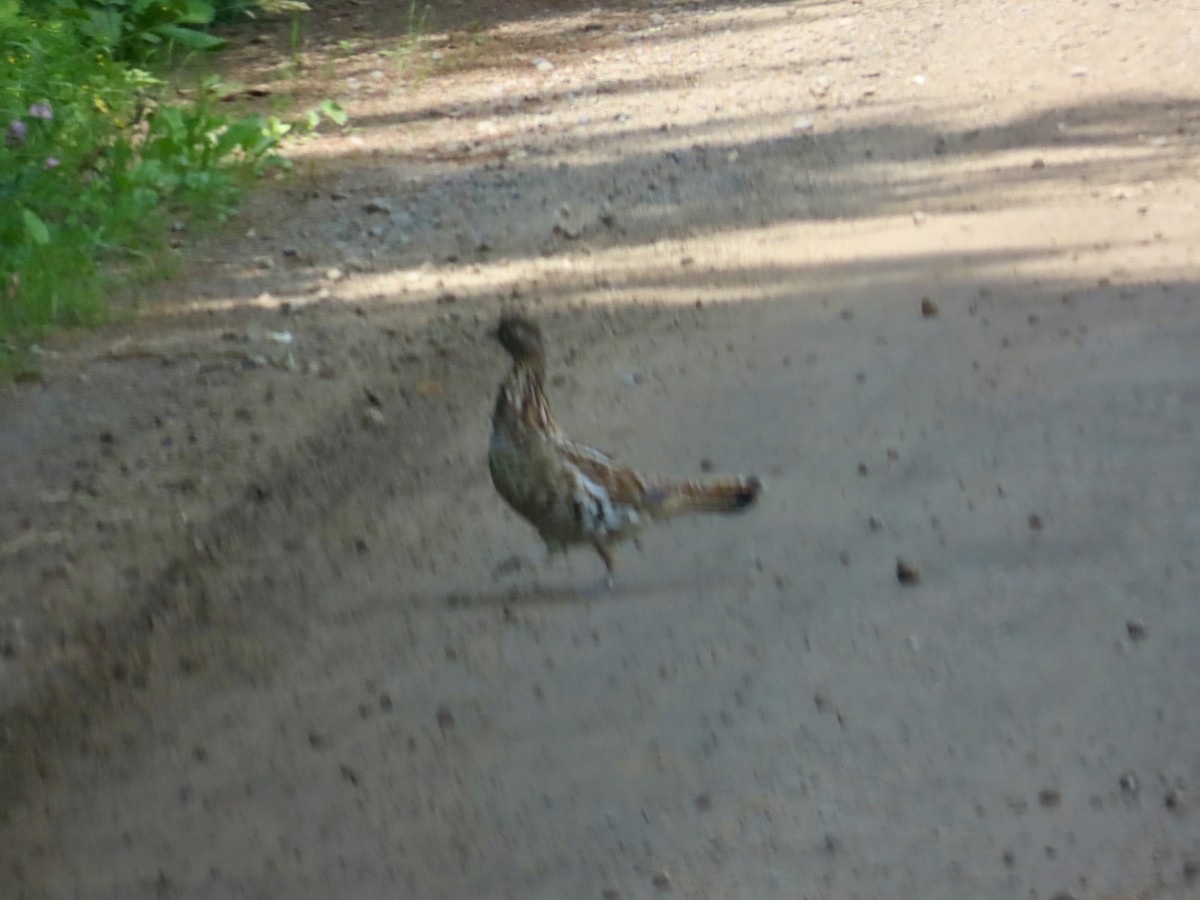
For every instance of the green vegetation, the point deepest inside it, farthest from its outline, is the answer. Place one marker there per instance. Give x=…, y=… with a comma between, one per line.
x=96, y=153
x=137, y=30
x=405, y=55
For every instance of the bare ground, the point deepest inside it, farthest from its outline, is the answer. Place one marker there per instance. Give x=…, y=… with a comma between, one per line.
x=266, y=630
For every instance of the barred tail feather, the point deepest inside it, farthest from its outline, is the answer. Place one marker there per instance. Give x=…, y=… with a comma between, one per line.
x=665, y=500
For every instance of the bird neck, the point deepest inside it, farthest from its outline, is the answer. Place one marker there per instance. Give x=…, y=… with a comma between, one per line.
x=521, y=402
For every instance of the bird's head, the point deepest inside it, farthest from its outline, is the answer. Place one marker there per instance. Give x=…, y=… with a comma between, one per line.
x=521, y=338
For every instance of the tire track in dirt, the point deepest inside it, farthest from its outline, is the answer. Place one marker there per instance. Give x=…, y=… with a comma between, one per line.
x=252, y=565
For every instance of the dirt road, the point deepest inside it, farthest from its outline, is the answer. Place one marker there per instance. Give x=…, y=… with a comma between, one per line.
x=926, y=267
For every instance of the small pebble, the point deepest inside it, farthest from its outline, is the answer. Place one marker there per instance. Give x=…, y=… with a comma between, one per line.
x=1174, y=800
x=929, y=309
x=1050, y=797
x=907, y=573
x=1191, y=870
x=1129, y=783
x=661, y=881
x=1135, y=629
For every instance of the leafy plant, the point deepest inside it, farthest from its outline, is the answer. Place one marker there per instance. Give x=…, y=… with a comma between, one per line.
x=138, y=30
x=196, y=155
x=92, y=157
x=327, y=109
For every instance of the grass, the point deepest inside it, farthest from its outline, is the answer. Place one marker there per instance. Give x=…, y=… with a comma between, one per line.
x=405, y=56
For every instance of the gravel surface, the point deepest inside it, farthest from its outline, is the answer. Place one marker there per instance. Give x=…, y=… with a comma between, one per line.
x=928, y=268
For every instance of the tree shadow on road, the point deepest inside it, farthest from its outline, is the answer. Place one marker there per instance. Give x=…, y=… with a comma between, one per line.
x=644, y=187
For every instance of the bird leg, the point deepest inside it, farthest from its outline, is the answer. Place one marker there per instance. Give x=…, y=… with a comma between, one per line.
x=606, y=554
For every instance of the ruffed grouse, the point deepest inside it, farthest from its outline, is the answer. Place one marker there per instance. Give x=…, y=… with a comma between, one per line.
x=573, y=494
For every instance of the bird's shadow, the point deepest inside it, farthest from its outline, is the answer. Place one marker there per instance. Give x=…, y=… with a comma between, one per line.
x=534, y=592
x=531, y=594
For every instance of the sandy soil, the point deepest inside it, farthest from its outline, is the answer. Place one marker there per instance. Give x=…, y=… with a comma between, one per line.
x=267, y=632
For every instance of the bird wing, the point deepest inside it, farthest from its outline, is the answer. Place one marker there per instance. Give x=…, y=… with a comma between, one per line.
x=622, y=485
x=574, y=448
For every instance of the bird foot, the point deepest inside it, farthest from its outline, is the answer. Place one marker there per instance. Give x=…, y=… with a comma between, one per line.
x=597, y=591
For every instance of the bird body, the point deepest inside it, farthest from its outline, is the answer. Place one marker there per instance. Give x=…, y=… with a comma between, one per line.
x=571, y=493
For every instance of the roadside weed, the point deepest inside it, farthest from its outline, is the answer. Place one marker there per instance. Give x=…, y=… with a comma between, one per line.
x=97, y=154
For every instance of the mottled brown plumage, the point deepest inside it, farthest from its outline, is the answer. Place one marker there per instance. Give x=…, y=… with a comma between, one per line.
x=571, y=493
